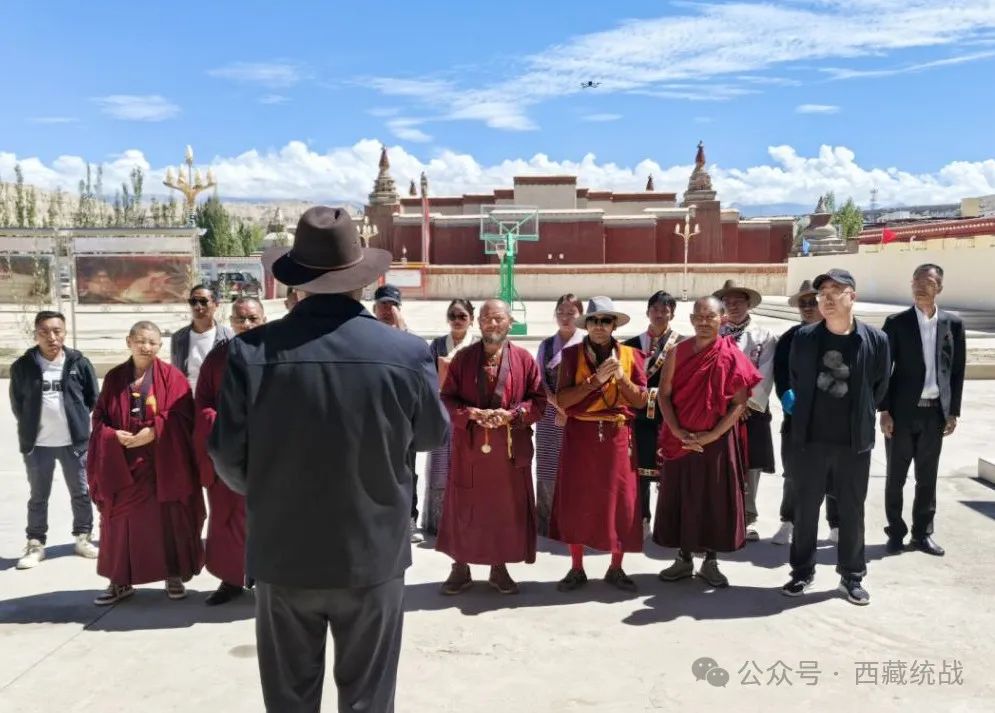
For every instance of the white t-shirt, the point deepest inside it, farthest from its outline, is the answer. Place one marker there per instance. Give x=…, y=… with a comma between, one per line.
x=53, y=427
x=200, y=345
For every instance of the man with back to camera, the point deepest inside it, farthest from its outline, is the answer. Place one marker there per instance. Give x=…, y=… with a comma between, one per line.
x=317, y=414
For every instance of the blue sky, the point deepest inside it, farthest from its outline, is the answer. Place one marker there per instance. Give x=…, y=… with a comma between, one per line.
x=291, y=99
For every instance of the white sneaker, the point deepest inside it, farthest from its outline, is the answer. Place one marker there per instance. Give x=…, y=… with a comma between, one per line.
x=834, y=534
x=416, y=536
x=783, y=534
x=84, y=547
x=34, y=553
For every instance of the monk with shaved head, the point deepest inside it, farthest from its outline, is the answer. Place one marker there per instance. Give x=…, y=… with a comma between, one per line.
x=703, y=393
x=494, y=394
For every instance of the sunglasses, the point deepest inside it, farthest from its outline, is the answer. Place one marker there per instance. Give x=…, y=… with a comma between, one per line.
x=458, y=316
x=202, y=301
x=601, y=321
x=808, y=304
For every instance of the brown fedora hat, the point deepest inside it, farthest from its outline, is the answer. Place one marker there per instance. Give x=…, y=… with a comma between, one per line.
x=805, y=289
x=731, y=287
x=327, y=255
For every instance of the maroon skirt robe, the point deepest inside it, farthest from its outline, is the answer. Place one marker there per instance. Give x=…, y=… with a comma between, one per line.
x=149, y=500
x=596, y=501
x=225, y=548
x=488, y=516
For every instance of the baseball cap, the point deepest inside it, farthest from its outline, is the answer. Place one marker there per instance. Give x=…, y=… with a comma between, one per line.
x=837, y=275
x=387, y=293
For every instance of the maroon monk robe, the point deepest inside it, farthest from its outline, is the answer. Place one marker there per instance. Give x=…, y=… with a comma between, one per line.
x=596, y=498
x=149, y=499
x=701, y=503
x=226, y=519
x=488, y=514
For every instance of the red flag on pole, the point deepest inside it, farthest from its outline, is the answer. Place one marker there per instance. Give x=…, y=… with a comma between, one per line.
x=888, y=236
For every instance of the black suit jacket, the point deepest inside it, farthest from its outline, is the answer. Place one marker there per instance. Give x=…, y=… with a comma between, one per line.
x=909, y=369
x=316, y=414
x=868, y=381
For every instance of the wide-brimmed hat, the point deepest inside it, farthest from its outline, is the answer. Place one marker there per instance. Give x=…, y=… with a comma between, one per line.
x=601, y=307
x=805, y=289
x=327, y=255
x=730, y=287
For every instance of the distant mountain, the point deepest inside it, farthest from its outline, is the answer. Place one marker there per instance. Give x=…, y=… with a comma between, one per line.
x=763, y=210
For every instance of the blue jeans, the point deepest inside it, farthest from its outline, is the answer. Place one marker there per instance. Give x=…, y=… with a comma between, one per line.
x=40, y=464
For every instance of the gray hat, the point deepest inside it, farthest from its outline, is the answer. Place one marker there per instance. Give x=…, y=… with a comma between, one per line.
x=805, y=289
x=601, y=307
x=730, y=287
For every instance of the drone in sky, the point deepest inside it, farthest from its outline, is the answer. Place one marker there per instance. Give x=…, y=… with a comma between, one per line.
x=590, y=84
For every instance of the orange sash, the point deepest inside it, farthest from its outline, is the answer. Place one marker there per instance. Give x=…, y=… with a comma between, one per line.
x=606, y=404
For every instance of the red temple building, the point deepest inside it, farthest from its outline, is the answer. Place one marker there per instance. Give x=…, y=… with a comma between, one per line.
x=577, y=226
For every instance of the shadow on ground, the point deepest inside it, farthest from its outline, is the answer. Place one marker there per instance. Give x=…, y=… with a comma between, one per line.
x=50, y=553
x=148, y=608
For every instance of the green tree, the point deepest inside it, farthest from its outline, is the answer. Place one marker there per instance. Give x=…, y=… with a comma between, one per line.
x=219, y=239
x=4, y=211
x=849, y=218
x=31, y=210
x=250, y=237
x=137, y=212
x=829, y=198
x=20, y=198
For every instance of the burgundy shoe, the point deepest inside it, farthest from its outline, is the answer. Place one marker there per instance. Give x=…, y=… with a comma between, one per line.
x=459, y=580
x=502, y=581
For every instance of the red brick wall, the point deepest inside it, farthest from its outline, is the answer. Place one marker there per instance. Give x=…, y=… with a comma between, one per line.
x=669, y=248
x=408, y=236
x=457, y=245
x=707, y=246
x=630, y=244
x=580, y=242
x=731, y=245
x=782, y=235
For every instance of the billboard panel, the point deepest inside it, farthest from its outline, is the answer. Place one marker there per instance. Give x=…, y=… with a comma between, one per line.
x=25, y=278
x=133, y=279
x=233, y=277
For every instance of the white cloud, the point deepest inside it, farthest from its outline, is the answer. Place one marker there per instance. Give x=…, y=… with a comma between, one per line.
x=131, y=107
x=53, y=120
x=601, y=117
x=407, y=130
x=269, y=74
x=678, y=57
x=346, y=173
x=817, y=109
x=273, y=99
x=383, y=111
x=837, y=73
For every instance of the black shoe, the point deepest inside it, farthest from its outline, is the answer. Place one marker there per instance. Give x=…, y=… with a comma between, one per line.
x=575, y=579
x=895, y=545
x=928, y=545
x=616, y=577
x=797, y=587
x=855, y=593
x=224, y=593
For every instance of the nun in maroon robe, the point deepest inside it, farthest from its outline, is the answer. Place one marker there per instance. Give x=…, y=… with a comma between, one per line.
x=142, y=476
x=489, y=516
x=225, y=547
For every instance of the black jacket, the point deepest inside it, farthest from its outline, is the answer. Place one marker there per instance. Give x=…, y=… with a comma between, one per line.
x=782, y=370
x=79, y=394
x=316, y=414
x=868, y=384
x=909, y=370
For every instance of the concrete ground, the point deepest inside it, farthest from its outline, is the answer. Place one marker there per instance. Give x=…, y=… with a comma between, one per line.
x=926, y=642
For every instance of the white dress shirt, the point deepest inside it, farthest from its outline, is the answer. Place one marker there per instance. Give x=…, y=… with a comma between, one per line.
x=927, y=331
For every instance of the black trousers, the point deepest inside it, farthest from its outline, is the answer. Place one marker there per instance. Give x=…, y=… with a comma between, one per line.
x=811, y=466
x=788, y=488
x=918, y=440
x=644, y=495
x=291, y=630
x=410, y=462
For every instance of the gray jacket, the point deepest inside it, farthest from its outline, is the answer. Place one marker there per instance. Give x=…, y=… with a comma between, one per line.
x=179, y=346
